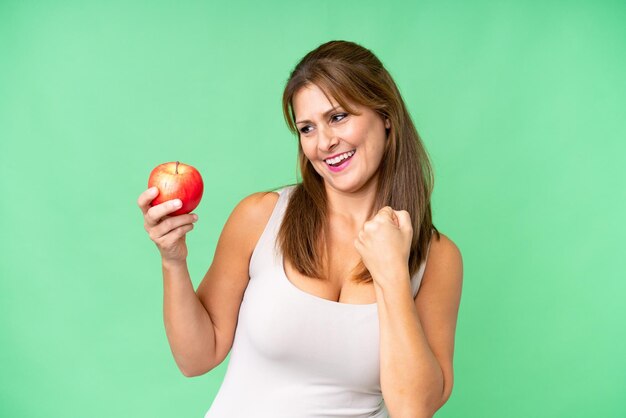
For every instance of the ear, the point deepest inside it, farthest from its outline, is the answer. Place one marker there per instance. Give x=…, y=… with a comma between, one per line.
x=387, y=123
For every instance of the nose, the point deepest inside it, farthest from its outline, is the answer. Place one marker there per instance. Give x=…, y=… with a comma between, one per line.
x=327, y=140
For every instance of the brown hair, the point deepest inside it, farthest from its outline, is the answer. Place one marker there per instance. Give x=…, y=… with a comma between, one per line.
x=351, y=73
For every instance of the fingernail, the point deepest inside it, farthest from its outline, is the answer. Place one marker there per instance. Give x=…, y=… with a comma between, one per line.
x=177, y=203
x=153, y=191
x=195, y=217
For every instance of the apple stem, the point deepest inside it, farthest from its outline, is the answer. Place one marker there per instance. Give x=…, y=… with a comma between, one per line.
x=177, y=167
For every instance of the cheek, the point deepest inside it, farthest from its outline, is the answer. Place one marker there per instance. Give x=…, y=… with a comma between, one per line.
x=375, y=148
x=358, y=134
x=352, y=133
x=307, y=149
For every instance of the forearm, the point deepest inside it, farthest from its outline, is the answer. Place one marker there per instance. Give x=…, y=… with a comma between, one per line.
x=188, y=326
x=411, y=377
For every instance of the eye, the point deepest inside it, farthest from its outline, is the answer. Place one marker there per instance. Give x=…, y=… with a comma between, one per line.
x=303, y=129
x=340, y=115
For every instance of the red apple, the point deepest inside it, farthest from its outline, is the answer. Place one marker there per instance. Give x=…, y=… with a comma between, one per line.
x=176, y=180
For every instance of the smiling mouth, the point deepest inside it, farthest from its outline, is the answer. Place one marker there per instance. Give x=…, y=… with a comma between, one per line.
x=337, y=161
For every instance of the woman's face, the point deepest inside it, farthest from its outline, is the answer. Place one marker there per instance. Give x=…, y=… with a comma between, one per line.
x=327, y=130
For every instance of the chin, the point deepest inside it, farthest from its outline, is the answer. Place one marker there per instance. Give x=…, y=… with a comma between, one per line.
x=344, y=186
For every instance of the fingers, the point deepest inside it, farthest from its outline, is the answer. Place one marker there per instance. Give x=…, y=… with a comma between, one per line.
x=387, y=213
x=170, y=238
x=394, y=218
x=146, y=197
x=154, y=215
x=404, y=219
x=400, y=218
x=167, y=232
x=154, y=222
x=172, y=226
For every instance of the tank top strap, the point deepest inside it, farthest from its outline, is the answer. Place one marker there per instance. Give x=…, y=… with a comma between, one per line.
x=265, y=254
x=416, y=280
x=283, y=200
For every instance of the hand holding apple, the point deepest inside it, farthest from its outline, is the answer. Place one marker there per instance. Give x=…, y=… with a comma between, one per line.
x=176, y=180
x=174, y=190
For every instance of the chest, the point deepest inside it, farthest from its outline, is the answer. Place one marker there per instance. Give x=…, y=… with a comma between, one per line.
x=286, y=331
x=339, y=288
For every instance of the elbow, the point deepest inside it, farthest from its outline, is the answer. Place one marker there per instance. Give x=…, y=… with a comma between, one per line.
x=447, y=391
x=196, y=365
x=191, y=373
x=426, y=402
x=438, y=402
x=194, y=371
x=440, y=396
x=428, y=407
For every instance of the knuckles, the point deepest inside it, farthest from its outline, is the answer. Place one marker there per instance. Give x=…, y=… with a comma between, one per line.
x=370, y=226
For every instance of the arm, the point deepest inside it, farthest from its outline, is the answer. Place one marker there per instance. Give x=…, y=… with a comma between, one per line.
x=417, y=336
x=188, y=326
x=200, y=325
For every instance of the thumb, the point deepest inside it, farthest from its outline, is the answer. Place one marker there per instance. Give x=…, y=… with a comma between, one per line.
x=403, y=220
x=394, y=218
x=390, y=214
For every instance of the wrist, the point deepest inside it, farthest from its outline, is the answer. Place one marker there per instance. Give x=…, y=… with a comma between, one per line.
x=172, y=265
x=394, y=286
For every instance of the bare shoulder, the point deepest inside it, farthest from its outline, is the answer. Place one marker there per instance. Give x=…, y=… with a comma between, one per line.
x=256, y=201
x=254, y=212
x=444, y=254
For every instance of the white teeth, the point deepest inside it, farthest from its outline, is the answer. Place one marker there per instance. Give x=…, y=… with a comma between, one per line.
x=340, y=157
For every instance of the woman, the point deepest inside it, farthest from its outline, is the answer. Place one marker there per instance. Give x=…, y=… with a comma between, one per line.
x=315, y=288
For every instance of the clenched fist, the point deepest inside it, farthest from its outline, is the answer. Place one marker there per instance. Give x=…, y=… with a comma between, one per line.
x=384, y=243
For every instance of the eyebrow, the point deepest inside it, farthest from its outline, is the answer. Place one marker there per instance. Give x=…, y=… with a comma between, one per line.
x=325, y=114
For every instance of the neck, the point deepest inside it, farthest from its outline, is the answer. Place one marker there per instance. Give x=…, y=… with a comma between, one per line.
x=351, y=208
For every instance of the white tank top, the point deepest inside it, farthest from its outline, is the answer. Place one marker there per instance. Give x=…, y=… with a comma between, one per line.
x=297, y=355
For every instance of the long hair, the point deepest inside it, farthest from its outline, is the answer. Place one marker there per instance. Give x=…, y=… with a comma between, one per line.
x=351, y=73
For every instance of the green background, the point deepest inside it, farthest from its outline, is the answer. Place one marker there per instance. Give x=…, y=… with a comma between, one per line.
x=521, y=106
